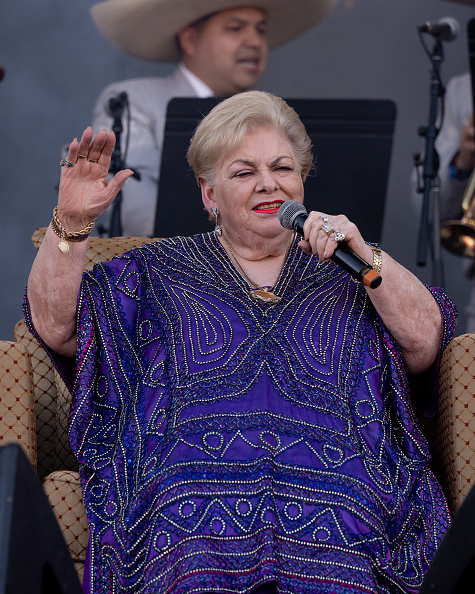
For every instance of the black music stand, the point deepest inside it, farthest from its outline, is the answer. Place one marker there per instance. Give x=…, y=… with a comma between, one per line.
x=352, y=140
x=452, y=570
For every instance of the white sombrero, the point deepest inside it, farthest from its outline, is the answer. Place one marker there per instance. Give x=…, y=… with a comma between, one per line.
x=146, y=29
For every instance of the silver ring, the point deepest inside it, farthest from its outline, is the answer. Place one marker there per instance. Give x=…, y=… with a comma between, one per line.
x=66, y=163
x=339, y=236
x=327, y=228
x=324, y=217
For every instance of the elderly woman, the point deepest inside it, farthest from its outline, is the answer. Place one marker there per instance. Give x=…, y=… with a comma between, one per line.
x=242, y=411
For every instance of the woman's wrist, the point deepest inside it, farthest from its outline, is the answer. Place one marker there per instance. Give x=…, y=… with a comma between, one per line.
x=71, y=222
x=373, y=256
x=66, y=235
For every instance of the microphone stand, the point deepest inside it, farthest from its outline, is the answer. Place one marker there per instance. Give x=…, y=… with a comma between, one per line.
x=116, y=109
x=430, y=164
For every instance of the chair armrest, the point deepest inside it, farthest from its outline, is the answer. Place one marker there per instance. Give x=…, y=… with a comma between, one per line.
x=17, y=405
x=45, y=397
x=454, y=449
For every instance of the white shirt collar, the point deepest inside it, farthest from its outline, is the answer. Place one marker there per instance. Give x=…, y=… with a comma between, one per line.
x=201, y=89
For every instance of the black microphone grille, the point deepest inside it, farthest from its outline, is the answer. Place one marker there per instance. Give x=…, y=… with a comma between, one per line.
x=116, y=104
x=288, y=211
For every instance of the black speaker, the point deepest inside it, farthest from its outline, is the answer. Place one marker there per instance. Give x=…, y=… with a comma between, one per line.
x=452, y=570
x=34, y=558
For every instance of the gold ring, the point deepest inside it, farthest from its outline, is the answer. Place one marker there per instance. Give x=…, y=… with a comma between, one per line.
x=92, y=160
x=327, y=228
x=82, y=156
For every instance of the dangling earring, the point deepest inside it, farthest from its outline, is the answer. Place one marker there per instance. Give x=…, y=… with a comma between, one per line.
x=217, y=228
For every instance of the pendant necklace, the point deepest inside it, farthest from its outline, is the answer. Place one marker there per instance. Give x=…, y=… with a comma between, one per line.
x=259, y=293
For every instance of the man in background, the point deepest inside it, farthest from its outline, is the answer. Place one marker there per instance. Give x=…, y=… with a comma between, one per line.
x=455, y=146
x=221, y=49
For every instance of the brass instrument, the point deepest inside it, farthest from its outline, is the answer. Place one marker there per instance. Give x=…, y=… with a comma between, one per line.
x=458, y=236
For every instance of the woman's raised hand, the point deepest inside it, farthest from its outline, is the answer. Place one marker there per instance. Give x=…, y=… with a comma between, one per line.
x=84, y=190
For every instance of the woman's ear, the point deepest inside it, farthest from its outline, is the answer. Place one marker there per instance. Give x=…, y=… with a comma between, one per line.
x=207, y=195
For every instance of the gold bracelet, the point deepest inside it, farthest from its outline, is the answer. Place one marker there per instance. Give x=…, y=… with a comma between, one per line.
x=67, y=235
x=377, y=259
x=377, y=263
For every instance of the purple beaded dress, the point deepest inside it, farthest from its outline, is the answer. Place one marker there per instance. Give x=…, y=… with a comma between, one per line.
x=226, y=442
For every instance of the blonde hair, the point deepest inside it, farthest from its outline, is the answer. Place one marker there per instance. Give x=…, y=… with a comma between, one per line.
x=226, y=125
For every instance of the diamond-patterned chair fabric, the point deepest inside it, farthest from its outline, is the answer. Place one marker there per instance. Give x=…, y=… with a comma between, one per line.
x=44, y=388
x=17, y=409
x=453, y=449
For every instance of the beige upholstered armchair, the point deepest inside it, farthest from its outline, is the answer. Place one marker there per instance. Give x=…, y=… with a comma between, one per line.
x=34, y=406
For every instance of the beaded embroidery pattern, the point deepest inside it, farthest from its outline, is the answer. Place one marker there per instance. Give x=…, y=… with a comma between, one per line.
x=225, y=442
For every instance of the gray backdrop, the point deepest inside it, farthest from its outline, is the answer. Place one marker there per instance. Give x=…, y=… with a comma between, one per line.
x=56, y=63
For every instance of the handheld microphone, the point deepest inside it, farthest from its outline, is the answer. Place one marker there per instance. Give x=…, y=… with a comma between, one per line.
x=292, y=215
x=446, y=29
